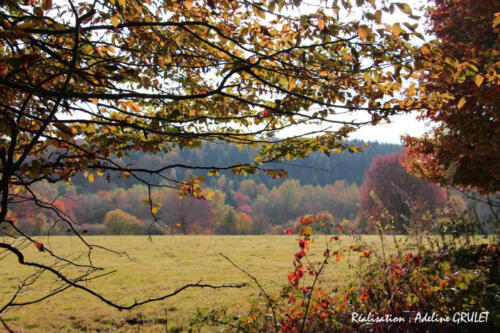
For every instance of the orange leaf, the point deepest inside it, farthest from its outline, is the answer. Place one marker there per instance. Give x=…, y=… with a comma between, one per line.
x=321, y=23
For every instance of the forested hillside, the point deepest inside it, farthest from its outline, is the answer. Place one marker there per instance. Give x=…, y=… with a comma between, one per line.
x=318, y=169
x=231, y=204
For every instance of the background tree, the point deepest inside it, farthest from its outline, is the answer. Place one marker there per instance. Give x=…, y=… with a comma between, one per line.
x=85, y=83
x=186, y=215
x=118, y=222
x=388, y=187
x=458, y=87
x=227, y=224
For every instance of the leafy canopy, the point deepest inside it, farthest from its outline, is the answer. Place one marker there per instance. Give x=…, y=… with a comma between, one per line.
x=459, y=88
x=83, y=83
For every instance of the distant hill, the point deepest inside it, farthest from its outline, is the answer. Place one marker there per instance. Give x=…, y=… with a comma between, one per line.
x=318, y=169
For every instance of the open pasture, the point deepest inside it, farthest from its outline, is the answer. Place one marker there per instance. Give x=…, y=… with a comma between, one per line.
x=159, y=267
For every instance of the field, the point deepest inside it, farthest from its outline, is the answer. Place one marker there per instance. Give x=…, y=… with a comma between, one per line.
x=159, y=267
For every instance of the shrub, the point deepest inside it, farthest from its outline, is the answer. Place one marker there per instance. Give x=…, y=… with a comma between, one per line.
x=119, y=222
x=448, y=276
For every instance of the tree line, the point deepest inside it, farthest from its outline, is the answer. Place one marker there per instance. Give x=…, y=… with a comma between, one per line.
x=318, y=169
x=389, y=195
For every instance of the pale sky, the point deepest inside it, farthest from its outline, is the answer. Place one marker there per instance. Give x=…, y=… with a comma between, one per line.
x=400, y=125
x=391, y=133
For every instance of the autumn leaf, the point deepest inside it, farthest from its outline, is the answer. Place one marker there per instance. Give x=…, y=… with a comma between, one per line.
x=363, y=32
x=378, y=16
x=404, y=7
x=64, y=128
x=188, y=4
x=46, y=4
x=4, y=69
x=396, y=29
x=479, y=80
x=133, y=106
x=39, y=246
x=307, y=231
x=115, y=21
x=461, y=102
x=321, y=23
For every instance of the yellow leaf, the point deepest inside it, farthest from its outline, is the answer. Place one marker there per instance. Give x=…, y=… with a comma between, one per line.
x=115, y=21
x=496, y=21
x=307, y=231
x=94, y=100
x=122, y=2
x=479, y=80
x=91, y=177
x=154, y=210
x=133, y=106
x=100, y=173
x=461, y=102
x=396, y=29
x=209, y=195
x=188, y=4
x=259, y=12
x=126, y=175
x=363, y=32
x=425, y=49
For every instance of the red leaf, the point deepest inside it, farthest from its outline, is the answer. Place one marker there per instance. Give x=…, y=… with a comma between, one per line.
x=339, y=227
x=39, y=246
x=299, y=255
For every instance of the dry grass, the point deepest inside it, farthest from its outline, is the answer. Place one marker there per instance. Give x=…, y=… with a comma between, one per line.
x=159, y=267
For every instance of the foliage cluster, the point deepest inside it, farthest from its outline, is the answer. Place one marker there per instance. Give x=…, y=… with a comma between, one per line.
x=459, y=88
x=439, y=274
x=318, y=169
x=395, y=198
x=251, y=209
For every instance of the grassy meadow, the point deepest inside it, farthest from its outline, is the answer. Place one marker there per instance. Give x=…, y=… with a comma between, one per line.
x=156, y=268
